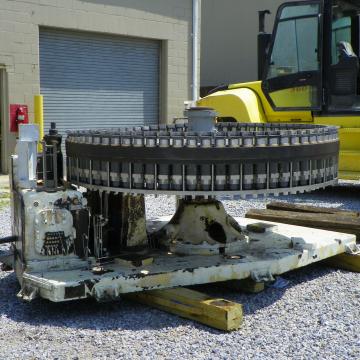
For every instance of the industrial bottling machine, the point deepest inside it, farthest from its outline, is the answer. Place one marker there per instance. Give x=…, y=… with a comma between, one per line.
x=87, y=236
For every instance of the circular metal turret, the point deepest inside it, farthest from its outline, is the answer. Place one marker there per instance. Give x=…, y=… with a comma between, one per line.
x=233, y=159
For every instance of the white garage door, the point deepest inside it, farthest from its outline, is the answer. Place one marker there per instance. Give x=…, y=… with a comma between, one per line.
x=91, y=81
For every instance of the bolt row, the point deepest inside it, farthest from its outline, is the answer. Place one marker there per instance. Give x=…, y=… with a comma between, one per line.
x=218, y=138
x=202, y=177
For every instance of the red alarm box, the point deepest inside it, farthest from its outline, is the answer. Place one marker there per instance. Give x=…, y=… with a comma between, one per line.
x=18, y=115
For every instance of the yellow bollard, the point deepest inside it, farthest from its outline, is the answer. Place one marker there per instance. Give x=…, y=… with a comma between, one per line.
x=39, y=116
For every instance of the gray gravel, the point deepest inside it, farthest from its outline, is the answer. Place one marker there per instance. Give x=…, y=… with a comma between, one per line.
x=316, y=317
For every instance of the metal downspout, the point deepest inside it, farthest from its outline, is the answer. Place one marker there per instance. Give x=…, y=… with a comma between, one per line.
x=195, y=52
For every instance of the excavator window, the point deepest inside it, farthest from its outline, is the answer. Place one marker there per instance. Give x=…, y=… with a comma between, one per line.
x=343, y=72
x=341, y=31
x=293, y=74
x=295, y=47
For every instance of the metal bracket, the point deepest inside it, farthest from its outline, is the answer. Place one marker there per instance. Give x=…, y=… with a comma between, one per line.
x=28, y=293
x=353, y=249
x=259, y=276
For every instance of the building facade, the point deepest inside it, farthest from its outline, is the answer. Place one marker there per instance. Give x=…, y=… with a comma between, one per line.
x=229, y=31
x=98, y=63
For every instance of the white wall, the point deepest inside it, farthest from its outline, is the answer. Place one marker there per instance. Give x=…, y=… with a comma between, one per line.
x=229, y=39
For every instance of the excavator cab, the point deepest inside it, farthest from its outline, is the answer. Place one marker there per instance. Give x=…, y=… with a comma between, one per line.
x=308, y=72
x=312, y=61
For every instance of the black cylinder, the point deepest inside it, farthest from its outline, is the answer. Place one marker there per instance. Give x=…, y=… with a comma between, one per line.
x=51, y=139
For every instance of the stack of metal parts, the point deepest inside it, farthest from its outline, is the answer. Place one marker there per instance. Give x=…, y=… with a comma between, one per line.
x=234, y=159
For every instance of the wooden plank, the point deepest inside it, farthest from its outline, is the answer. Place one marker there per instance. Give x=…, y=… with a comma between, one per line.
x=349, y=262
x=282, y=206
x=217, y=313
x=246, y=285
x=331, y=222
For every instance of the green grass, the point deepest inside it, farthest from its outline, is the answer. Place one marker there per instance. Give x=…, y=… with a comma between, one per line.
x=4, y=195
x=4, y=204
x=4, y=199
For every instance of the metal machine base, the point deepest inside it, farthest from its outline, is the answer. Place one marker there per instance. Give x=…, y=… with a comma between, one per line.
x=272, y=249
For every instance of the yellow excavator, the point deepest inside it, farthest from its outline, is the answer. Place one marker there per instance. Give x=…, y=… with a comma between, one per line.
x=308, y=72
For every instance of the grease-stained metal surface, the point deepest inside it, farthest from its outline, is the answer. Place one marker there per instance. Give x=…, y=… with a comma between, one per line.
x=44, y=223
x=134, y=208
x=278, y=249
x=201, y=227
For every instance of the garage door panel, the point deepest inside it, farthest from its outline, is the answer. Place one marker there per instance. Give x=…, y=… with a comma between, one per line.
x=90, y=80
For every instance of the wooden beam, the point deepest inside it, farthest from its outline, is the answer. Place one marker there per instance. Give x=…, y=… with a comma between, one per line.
x=282, y=206
x=332, y=222
x=217, y=313
x=349, y=262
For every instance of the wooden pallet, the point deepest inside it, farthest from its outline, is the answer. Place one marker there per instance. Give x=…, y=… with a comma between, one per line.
x=316, y=217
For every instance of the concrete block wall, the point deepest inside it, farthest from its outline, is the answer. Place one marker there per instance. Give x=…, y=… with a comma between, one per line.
x=167, y=20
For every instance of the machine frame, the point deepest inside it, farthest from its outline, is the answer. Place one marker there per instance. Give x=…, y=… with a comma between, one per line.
x=93, y=242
